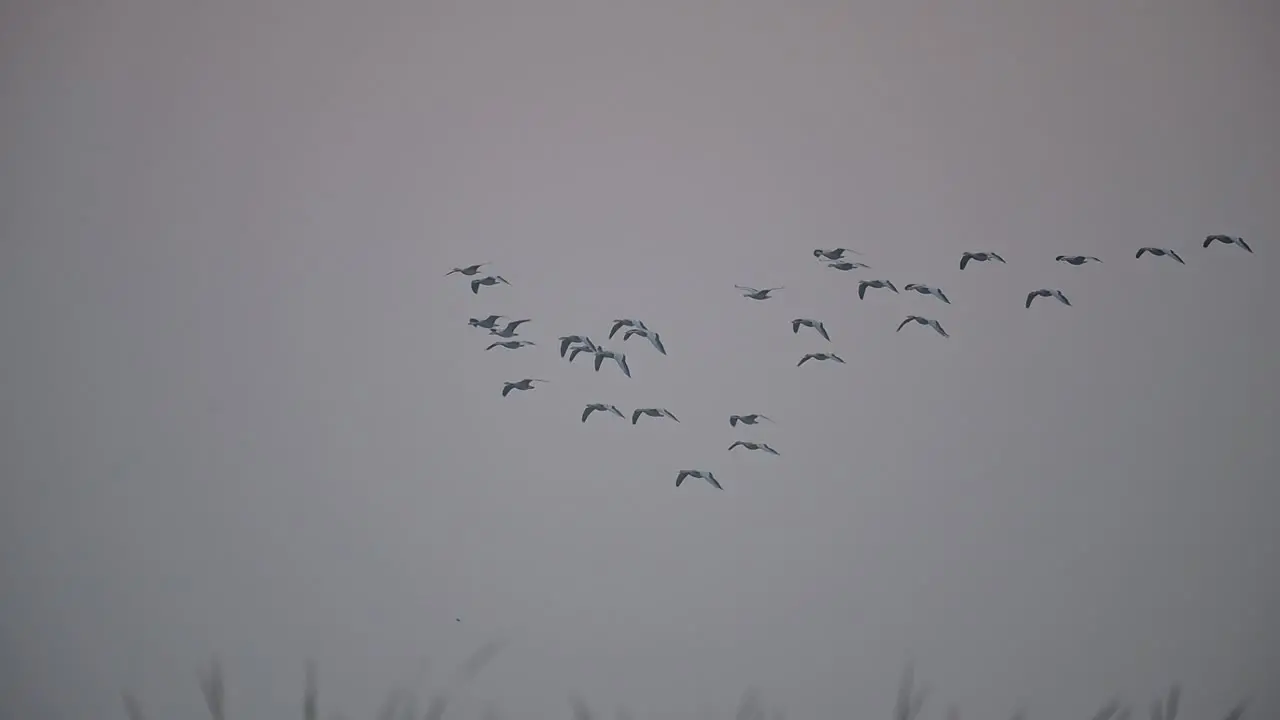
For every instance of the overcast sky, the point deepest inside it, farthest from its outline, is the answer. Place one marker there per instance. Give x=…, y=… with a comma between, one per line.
x=243, y=412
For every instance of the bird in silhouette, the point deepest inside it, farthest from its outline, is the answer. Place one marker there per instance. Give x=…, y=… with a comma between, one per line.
x=620, y=358
x=468, y=270
x=525, y=384
x=795, y=327
x=1076, y=259
x=847, y=266
x=923, y=321
x=819, y=356
x=654, y=339
x=1160, y=252
x=1227, y=240
x=833, y=254
x=510, y=330
x=877, y=284
x=754, y=294
x=751, y=419
x=510, y=344
x=486, y=281
x=602, y=407
x=754, y=446
x=1046, y=292
x=652, y=412
x=624, y=322
x=487, y=323
x=704, y=474
x=978, y=257
x=566, y=340
x=927, y=290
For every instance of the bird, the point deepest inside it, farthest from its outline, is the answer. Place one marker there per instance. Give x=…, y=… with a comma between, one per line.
x=704, y=474
x=510, y=330
x=487, y=323
x=619, y=324
x=525, y=384
x=652, y=412
x=979, y=257
x=565, y=341
x=754, y=446
x=846, y=266
x=751, y=419
x=654, y=339
x=468, y=270
x=1159, y=252
x=1227, y=240
x=487, y=280
x=819, y=356
x=754, y=294
x=864, y=284
x=1076, y=259
x=923, y=321
x=577, y=349
x=510, y=344
x=602, y=407
x=1046, y=292
x=927, y=290
x=617, y=357
x=795, y=327
x=833, y=254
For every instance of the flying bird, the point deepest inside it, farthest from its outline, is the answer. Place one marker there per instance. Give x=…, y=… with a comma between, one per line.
x=602, y=407
x=487, y=280
x=795, y=327
x=652, y=412
x=566, y=340
x=620, y=358
x=578, y=349
x=754, y=294
x=833, y=254
x=704, y=474
x=1159, y=252
x=751, y=419
x=1076, y=259
x=525, y=384
x=1046, y=292
x=619, y=324
x=819, y=356
x=754, y=446
x=978, y=257
x=654, y=339
x=846, y=266
x=1227, y=240
x=468, y=270
x=864, y=284
x=927, y=290
x=510, y=344
x=923, y=321
x=487, y=323
x=510, y=330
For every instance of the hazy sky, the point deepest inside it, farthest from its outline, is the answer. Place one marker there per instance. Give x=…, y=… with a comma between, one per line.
x=243, y=413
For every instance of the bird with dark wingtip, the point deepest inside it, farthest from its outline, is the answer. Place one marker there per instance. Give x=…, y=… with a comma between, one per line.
x=833, y=254
x=754, y=446
x=704, y=474
x=652, y=412
x=978, y=257
x=923, y=321
x=602, y=407
x=487, y=281
x=820, y=356
x=927, y=290
x=847, y=266
x=468, y=270
x=1047, y=292
x=754, y=294
x=1076, y=259
x=807, y=322
x=525, y=384
x=654, y=339
x=877, y=284
x=750, y=419
x=1160, y=252
x=1227, y=240
x=488, y=323
x=510, y=344
x=510, y=330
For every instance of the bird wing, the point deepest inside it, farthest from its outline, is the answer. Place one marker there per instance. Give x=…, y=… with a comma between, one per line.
x=804, y=359
x=733, y=420
x=457, y=270
x=575, y=352
x=613, y=409
x=769, y=450
x=564, y=344
x=964, y=260
x=1030, y=296
x=506, y=388
x=823, y=332
x=622, y=363
x=889, y=284
x=635, y=415
x=1209, y=240
x=942, y=296
x=493, y=346
x=744, y=288
x=616, y=324
x=904, y=323
x=795, y=326
x=938, y=326
x=517, y=323
x=837, y=358
x=862, y=289
x=1058, y=294
x=1140, y=251
x=657, y=343
x=997, y=257
x=681, y=476
x=587, y=412
x=712, y=479
x=1177, y=257
x=475, y=286
x=669, y=414
x=599, y=359
x=736, y=443
x=1240, y=241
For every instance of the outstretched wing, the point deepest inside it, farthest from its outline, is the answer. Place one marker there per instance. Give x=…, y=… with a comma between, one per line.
x=493, y=346
x=938, y=326
x=795, y=326
x=733, y=420
x=711, y=479
x=506, y=388
x=635, y=415
x=1030, y=296
x=804, y=359
x=681, y=476
x=587, y=412
x=862, y=290
x=622, y=363
x=822, y=330
x=616, y=325
x=904, y=323
x=736, y=443
x=837, y=358
x=964, y=260
x=997, y=257
x=475, y=286
x=1140, y=251
x=1177, y=257
x=1240, y=241
x=1062, y=297
x=669, y=414
x=599, y=359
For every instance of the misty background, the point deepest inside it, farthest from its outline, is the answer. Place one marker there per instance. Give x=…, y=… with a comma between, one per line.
x=243, y=413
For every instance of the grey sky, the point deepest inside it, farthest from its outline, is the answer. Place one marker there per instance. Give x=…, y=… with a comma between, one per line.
x=243, y=413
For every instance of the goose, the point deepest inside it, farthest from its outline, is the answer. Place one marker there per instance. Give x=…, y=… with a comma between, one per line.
x=819, y=356
x=924, y=321
x=468, y=270
x=751, y=419
x=654, y=339
x=487, y=280
x=619, y=324
x=704, y=474
x=510, y=330
x=927, y=290
x=487, y=323
x=617, y=357
x=602, y=407
x=1076, y=259
x=510, y=344
x=578, y=349
x=1046, y=292
x=565, y=340
x=795, y=327
x=525, y=384
x=833, y=254
x=847, y=266
x=979, y=257
x=754, y=294
x=652, y=412
x=754, y=446
x=864, y=284
x=1227, y=240
x=1159, y=252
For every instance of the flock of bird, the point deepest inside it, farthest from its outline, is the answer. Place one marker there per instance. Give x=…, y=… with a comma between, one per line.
x=571, y=346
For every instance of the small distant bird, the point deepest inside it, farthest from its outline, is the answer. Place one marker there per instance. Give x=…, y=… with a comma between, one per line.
x=487, y=280
x=510, y=330
x=1158, y=252
x=1077, y=259
x=510, y=344
x=620, y=358
x=754, y=446
x=525, y=384
x=819, y=356
x=1227, y=240
x=978, y=257
x=578, y=349
x=652, y=412
x=751, y=419
x=754, y=294
x=795, y=327
x=846, y=266
x=566, y=340
x=833, y=254
x=602, y=407
x=619, y=324
x=468, y=270
x=864, y=284
x=1046, y=292
x=704, y=474
x=487, y=323
x=923, y=321
x=654, y=339
x=927, y=290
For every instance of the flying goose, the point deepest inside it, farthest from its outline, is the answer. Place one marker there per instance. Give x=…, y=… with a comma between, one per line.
x=654, y=339
x=510, y=330
x=1158, y=252
x=754, y=446
x=1077, y=259
x=565, y=340
x=978, y=257
x=468, y=270
x=751, y=419
x=579, y=349
x=602, y=407
x=795, y=327
x=704, y=474
x=864, y=284
x=614, y=355
x=1046, y=292
x=923, y=321
x=1227, y=240
x=927, y=290
x=624, y=322
x=833, y=254
x=652, y=412
x=819, y=356
x=487, y=280
x=754, y=294
x=525, y=384
x=510, y=344
x=487, y=323
x=846, y=265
